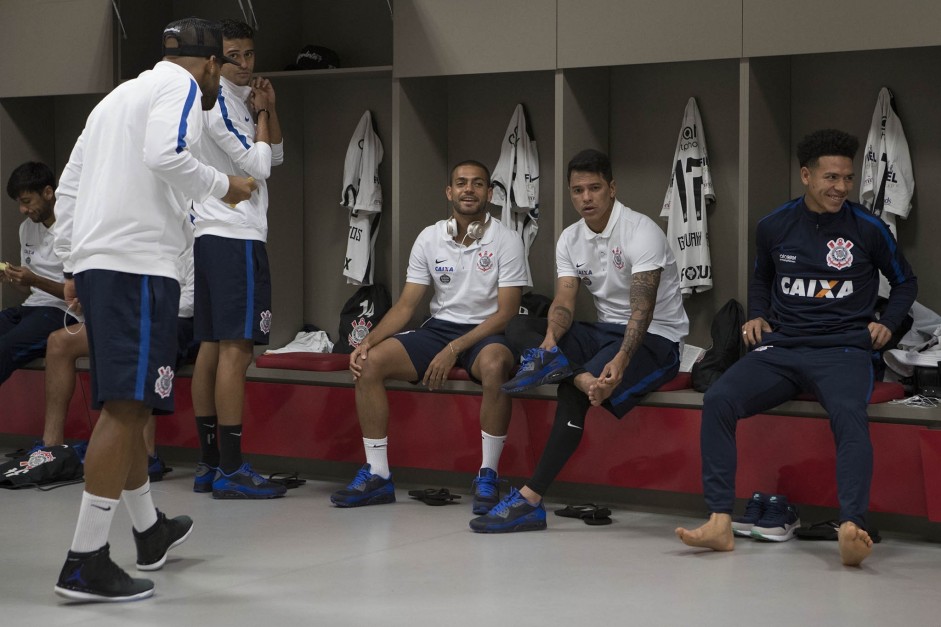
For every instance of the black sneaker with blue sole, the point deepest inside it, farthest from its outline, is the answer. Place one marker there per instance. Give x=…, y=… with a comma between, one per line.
x=365, y=489
x=539, y=367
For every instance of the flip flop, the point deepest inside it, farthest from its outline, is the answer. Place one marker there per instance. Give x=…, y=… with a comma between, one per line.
x=589, y=513
x=289, y=480
x=433, y=496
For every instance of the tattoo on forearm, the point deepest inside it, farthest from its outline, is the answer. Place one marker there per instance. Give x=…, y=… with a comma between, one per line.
x=644, y=287
x=560, y=318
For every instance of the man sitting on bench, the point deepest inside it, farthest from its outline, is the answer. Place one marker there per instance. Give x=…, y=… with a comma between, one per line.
x=477, y=268
x=811, y=304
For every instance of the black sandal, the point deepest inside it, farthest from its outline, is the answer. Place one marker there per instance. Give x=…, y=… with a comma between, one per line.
x=589, y=513
x=433, y=496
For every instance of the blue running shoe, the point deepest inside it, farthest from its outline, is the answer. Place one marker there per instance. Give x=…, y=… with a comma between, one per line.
x=513, y=513
x=365, y=489
x=245, y=483
x=486, y=491
x=81, y=448
x=779, y=521
x=754, y=510
x=156, y=469
x=539, y=367
x=205, y=474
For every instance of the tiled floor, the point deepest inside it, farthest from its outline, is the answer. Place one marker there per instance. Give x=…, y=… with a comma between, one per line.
x=300, y=561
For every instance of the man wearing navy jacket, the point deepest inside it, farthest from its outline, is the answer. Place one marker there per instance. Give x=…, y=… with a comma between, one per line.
x=813, y=328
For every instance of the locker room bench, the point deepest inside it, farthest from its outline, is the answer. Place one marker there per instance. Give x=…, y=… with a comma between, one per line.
x=310, y=414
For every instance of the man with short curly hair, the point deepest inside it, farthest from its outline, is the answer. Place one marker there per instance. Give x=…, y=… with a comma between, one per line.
x=813, y=329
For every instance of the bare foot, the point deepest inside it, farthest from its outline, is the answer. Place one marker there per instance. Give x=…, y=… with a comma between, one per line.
x=716, y=534
x=855, y=544
x=599, y=392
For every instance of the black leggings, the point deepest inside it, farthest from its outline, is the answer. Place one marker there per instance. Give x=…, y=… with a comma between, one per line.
x=565, y=436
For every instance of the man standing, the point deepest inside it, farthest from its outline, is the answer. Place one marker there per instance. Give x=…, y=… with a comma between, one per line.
x=24, y=329
x=812, y=323
x=623, y=258
x=477, y=269
x=233, y=284
x=123, y=200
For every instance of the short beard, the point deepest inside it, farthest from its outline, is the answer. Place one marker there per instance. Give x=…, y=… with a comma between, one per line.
x=208, y=101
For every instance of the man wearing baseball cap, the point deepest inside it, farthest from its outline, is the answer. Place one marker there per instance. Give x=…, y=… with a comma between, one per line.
x=122, y=202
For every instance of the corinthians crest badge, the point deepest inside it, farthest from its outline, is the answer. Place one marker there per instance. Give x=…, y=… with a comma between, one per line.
x=164, y=384
x=360, y=330
x=839, y=256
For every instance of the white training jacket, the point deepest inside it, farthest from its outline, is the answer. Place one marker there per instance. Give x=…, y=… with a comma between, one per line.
x=228, y=144
x=123, y=197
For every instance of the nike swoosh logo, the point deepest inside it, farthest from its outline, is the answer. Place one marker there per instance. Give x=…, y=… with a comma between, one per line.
x=238, y=435
x=104, y=509
x=247, y=119
x=205, y=425
x=579, y=265
x=441, y=260
x=569, y=423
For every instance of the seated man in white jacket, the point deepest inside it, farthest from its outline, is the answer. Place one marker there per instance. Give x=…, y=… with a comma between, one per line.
x=233, y=284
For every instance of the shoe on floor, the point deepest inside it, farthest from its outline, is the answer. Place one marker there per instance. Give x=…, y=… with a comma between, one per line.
x=365, y=489
x=94, y=577
x=486, y=491
x=154, y=543
x=754, y=510
x=513, y=513
x=539, y=367
x=205, y=474
x=779, y=522
x=156, y=469
x=245, y=483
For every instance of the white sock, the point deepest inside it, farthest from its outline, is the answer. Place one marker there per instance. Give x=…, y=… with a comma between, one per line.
x=94, y=523
x=377, y=456
x=492, y=446
x=140, y=505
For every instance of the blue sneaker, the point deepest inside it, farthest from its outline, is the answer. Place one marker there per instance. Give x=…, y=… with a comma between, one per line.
x=365, y=489
x=486, y=491
x=513, y=513
x=779, y=521
x=244, y=483
x=539, y=367
x=754, y=510
x=205, y=474
x=156, y=469
x=81, y=448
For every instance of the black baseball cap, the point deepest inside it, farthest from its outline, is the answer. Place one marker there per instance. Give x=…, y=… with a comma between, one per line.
x=194, y=37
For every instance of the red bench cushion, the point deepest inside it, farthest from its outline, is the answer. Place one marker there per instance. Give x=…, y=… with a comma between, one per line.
x=321, y=362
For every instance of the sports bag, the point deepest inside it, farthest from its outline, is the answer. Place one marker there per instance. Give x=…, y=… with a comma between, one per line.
x=50, y=464
x=727, y=346
x=362, y=312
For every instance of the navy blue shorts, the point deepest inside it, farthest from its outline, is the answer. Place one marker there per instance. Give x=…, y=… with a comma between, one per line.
x=131, y=321
x=654, y=363
x=232, y=290
x=424, y=343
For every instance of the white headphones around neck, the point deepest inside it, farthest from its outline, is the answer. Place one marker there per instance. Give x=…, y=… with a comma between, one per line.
x=475, y=230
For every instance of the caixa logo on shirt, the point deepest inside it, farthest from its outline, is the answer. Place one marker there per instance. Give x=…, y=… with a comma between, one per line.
x=816, y=288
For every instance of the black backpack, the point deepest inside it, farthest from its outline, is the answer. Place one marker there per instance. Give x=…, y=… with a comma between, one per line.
x=362, y=312
x=727, y=346
x=50, y=464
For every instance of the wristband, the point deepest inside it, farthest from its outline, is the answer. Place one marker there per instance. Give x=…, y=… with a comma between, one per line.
x=260, y=111
x=67, y=275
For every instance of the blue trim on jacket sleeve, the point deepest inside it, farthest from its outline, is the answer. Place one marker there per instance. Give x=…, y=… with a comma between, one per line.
x=187, y=106
x=883, y=229
x=228, y=122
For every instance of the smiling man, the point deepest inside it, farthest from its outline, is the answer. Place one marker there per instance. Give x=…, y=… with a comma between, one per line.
x=477, y=269
x=812, y=324
x=24, y=329
x=623, y=259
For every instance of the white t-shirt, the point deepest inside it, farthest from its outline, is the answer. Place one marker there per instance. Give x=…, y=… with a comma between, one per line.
x=38, y=254
x=604, y=262
x=466, y=278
